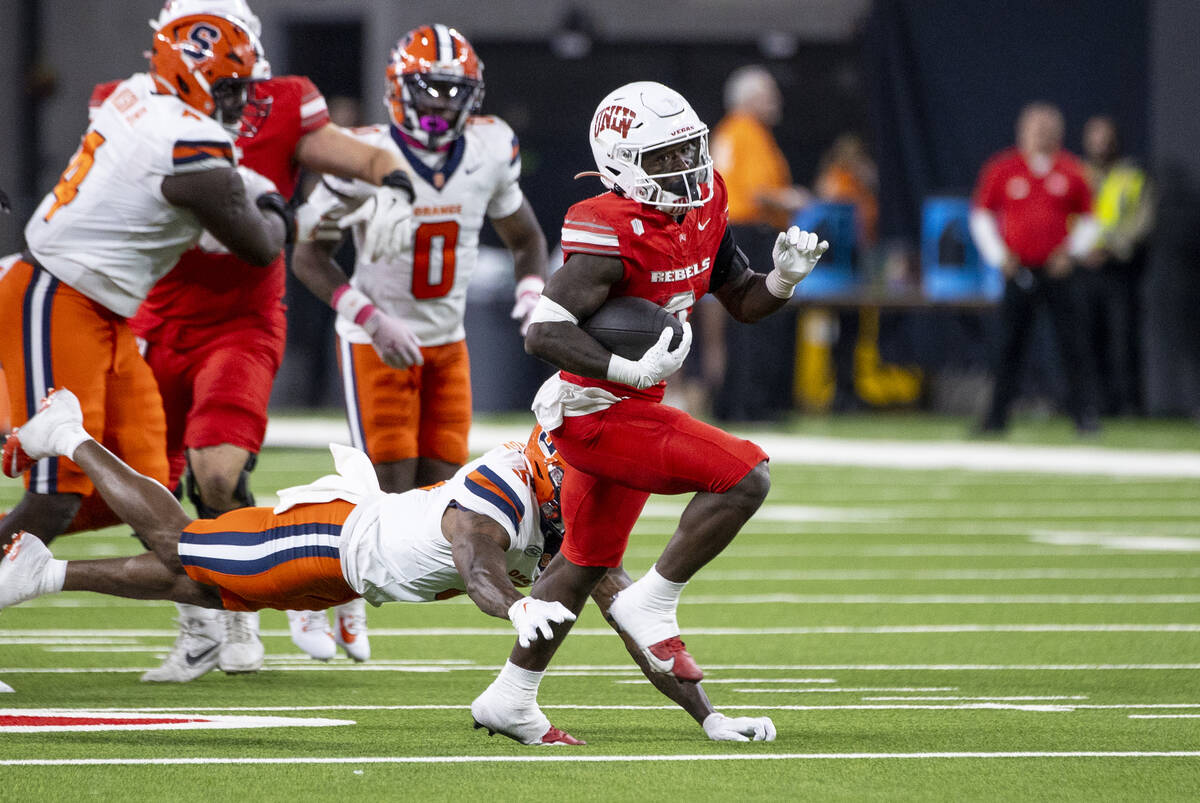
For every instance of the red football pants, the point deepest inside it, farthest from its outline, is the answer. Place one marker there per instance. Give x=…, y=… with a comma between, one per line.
x=617, y=457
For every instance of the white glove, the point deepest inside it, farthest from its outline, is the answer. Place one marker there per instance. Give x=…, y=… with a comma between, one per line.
x=389, y=229
x=656, y=364
x=531, y=616
x=392, y=340
x=795, y=254
x=256, y=184
x=721, y=728
x=312, y=226
x=528, y=292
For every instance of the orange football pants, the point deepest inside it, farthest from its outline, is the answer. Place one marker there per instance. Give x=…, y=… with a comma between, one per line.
x=422, y=411
x=55, y=336
x=261, y=559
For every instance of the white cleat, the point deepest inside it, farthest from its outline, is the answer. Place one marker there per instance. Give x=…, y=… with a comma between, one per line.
x=311, y=633
x=243, y=650
x=527, y=725
x=351, y=630
x=55, y=429
x=196, y=650
x=22, y=569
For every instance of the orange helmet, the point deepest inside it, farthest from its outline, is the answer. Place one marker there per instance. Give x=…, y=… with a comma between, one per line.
x=435, y=82
x=546, y=467
x=209, y=61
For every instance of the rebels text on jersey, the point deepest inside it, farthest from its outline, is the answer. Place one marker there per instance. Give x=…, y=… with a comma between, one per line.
x=666, y=261
x=106, y=229
x=427, y=285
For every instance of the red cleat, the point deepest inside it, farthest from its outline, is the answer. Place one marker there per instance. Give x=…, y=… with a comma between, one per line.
x=555, y=736
x=16, y=462
x=670, y=656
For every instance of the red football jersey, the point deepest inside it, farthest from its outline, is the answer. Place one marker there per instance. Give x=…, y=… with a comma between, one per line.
x=1033, y=212
x=666, y=261
x=205, y=290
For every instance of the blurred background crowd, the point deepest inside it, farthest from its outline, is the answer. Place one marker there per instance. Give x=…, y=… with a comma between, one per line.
x=869, y=121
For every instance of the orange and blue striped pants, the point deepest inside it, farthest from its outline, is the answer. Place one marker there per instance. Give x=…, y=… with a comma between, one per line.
x=260, y=559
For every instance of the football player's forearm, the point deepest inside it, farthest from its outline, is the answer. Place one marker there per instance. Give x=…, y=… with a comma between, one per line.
x=314, y=266
x=330, y=149
x=523, y=237
x=749, y=301
x=481, y=564
x=569, y=348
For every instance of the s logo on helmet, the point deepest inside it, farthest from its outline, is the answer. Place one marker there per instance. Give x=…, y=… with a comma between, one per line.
x=618, y=118
x=201, y=39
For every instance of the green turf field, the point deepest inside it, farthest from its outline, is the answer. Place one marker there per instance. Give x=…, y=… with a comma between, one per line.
x=914, y=634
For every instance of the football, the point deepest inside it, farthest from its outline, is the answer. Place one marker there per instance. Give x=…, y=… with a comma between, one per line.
x=628, y=325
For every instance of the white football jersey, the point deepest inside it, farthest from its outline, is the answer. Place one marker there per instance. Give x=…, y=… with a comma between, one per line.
x=106, y=229
x=427, y=287
x=392, y=546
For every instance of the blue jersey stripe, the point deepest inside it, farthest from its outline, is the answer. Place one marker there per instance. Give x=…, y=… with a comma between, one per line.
x=503, y=486
x=506, y=507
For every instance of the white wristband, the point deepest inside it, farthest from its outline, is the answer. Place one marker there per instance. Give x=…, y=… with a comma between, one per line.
x=627, y=372
x=779, y=286
x=529, y=284
x=352, y=304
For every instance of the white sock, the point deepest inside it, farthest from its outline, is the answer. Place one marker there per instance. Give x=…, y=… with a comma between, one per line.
x=655, y=595
x=54, y=576
x=195, y=612
x=658, y=593
x=518, y=685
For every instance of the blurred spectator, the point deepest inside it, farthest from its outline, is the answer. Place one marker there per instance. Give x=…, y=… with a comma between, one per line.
x=1123, y=206
x=847, y=175
x=748, y=370
x=1031, y=215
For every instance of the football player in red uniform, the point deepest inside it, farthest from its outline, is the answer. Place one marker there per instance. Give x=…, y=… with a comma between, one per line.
x=215, y=331
x=659, y=233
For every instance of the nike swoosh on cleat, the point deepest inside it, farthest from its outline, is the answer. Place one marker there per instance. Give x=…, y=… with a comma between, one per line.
x=198, y=657
x=657, y=664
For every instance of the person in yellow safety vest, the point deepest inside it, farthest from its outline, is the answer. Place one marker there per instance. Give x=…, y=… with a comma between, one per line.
x=1124, y=207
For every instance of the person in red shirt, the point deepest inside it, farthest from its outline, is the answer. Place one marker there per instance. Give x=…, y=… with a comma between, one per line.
x=1031, y=216
x=662, y=234
x=215, y=330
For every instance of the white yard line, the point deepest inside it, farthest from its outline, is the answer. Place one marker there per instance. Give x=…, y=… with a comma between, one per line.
x=842, y=575
x=14, y=637
x=609, y=671
x=1164, y=716
x=942, y=599
x=968, y=456
x=577, y=757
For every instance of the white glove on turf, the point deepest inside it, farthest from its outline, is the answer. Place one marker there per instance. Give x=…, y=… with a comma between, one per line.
x=528, y=292
x=721, y=728
x=531, y=616
x=795, y=254
x=656, y=364
x=388, y=218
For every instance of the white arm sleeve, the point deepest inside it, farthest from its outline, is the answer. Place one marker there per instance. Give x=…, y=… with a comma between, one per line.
x=986, y=235
x=1084, y=236
x=549, y=311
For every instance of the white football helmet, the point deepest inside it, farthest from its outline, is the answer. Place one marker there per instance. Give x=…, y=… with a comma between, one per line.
x=649, y=144
x=238, y=9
